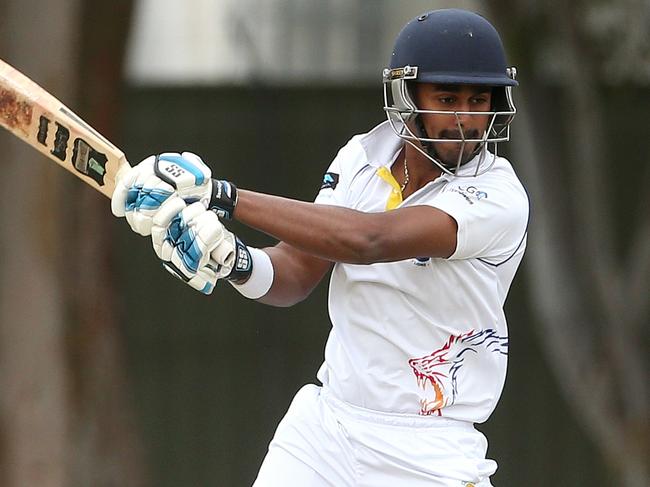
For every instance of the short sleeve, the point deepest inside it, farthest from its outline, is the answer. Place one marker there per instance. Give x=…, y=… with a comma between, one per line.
x=335, y=184
x=492, y=215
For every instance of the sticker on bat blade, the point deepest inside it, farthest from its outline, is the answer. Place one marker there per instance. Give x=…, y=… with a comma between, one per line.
x=61, y=138
x=85, y=159
x=88, y=161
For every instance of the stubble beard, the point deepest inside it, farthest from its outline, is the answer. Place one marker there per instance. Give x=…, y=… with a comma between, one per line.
x=449, y=152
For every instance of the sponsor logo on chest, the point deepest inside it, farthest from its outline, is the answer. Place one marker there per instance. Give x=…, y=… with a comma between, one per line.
x=471, y=193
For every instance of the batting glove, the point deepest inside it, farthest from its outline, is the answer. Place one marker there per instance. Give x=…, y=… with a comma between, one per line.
x=140, y=191
x=195, y=246
x=190, y=178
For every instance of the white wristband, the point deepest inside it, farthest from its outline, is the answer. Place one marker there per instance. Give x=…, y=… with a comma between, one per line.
x=261, y=279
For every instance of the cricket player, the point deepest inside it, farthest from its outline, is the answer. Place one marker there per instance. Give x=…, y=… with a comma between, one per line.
x=421, y=226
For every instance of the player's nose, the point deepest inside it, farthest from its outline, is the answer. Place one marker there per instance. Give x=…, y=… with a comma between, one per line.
x=462, y=117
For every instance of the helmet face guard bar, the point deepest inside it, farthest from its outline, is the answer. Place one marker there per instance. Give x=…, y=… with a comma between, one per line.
x=401, y=109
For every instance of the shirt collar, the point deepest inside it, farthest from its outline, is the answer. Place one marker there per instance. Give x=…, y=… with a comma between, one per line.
x=381, y=144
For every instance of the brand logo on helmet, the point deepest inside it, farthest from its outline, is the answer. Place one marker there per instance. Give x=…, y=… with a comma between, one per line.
x=407, y=72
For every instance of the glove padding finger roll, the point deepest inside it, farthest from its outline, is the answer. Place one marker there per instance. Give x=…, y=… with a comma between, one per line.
x=188, y=238
x=129, y=183
x=161, y=221
x=138, y=195
x=204, y=280
x=223, y=255
x=141, y=191
x=124, y=179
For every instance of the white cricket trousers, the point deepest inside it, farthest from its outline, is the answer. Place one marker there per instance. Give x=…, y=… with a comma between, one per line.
x=324, y=442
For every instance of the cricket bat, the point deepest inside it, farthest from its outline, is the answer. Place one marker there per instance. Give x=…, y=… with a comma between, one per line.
x=35, y=116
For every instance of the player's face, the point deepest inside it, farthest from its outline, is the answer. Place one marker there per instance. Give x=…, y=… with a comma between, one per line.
x=454, y=98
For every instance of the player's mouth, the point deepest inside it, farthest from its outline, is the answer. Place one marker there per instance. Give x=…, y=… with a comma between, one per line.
x=459, y=135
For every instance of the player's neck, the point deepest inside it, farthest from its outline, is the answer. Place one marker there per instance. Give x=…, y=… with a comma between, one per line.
x=414, y=169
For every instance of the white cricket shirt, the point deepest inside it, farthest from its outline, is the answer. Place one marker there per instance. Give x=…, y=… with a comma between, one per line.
x=424, y=335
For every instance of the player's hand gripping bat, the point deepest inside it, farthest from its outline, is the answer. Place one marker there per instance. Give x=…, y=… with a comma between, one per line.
x=34, y=115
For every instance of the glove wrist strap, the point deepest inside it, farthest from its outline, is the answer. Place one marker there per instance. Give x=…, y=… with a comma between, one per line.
x=223, y=199
x=243, y=266
x=260, y=279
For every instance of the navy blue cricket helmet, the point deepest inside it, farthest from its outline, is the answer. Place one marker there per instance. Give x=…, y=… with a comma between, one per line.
x=449, y=46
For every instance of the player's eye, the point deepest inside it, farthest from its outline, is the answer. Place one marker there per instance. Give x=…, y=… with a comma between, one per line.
x=446, y=100
x=479, y=100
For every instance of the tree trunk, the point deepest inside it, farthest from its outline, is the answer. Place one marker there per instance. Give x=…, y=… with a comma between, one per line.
x=585, y=296
x=65, y=418
x=107, y=450
x=34, y=414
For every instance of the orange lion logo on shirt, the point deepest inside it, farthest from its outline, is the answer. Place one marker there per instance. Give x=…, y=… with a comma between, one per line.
x=440, y=368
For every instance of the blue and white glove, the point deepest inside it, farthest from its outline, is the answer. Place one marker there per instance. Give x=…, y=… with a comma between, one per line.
x=195, y=246
x=142, y=190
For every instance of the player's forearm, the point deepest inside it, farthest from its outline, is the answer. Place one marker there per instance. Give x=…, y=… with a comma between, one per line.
x=328, y=232
x=296, y=274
